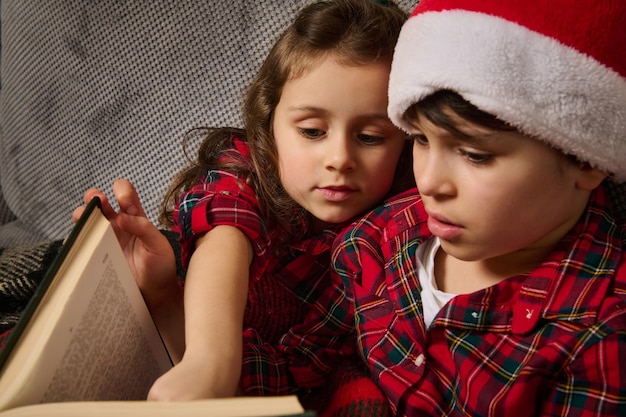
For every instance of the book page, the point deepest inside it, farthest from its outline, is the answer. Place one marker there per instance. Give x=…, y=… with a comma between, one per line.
x=219, y=407
x=109, y=356
x=92, y=337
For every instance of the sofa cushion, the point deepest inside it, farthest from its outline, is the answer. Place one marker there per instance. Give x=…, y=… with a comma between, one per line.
x=95, y=91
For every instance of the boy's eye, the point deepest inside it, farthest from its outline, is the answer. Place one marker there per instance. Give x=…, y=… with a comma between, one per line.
x=418, y=139
x=311, y=133
x=370, y=139
x=476, y=158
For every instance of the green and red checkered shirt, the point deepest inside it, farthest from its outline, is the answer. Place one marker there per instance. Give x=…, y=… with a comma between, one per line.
x=289, y=289
x=550, y=343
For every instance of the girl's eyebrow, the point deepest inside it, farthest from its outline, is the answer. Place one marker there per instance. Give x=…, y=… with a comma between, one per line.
x=304, y=108
x=313, y=109
x=307, y=109
x=383, y=116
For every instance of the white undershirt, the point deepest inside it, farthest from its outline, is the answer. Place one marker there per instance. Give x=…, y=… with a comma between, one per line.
x=432, y=298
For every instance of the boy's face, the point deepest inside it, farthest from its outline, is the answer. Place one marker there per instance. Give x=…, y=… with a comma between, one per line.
x=495, y=195
x=337, y=149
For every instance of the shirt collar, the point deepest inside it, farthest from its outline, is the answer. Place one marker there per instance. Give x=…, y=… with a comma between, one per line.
x=317, y=244
x=573, y=281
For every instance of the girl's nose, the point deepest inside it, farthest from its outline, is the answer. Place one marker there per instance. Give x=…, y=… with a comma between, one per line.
x=340, y=153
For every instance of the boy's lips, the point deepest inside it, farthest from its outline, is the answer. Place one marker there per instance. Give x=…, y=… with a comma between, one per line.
x=443, y=228
x=336, y=193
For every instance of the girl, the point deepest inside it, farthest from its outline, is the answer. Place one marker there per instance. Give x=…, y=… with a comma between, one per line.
x=259, y=209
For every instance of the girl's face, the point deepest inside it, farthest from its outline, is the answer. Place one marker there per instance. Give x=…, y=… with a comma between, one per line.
x=496, y=196
x=337, y=149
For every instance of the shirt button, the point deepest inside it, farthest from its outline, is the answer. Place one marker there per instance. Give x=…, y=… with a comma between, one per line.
x=419, y=361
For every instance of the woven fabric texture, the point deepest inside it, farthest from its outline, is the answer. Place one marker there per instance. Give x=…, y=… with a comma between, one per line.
x=94, y=91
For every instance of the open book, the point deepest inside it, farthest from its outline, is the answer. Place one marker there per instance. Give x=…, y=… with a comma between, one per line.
x=86, y=343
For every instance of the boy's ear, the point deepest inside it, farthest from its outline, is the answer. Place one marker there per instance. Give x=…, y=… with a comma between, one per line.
x=589, y=178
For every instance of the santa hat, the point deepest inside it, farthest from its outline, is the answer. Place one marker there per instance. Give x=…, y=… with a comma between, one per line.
x=554, y=69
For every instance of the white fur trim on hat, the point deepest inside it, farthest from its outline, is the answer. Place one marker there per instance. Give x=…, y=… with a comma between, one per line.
x=533, y=82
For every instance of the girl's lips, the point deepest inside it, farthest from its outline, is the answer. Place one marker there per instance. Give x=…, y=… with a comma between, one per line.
x=336, y=194
x=441, y=228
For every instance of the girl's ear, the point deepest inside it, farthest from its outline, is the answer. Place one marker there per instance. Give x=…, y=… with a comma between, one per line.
x=589, y=178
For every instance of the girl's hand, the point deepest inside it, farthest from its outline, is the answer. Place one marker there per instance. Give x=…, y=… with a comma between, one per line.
x=151, y=259
x=193, y=379
x=148, y=252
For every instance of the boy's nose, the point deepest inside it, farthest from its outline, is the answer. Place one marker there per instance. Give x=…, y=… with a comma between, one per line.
x=433, y=176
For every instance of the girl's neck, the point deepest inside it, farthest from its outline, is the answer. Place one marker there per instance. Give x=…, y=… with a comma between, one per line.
x=318, y=226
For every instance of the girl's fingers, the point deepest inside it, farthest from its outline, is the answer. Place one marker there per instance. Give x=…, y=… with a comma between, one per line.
x=128, y=198
x=78, y=211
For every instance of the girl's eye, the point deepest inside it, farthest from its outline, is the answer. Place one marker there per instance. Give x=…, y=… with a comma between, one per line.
x=476, y=158
x=311, y=133
x=370, y=139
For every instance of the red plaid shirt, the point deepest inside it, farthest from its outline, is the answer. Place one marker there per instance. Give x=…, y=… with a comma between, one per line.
x=551, y=343
x=290, y=288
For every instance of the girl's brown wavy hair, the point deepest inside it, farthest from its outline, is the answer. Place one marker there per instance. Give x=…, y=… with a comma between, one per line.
x=355, y=33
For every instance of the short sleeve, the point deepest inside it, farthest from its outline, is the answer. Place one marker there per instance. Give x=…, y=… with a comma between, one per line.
x=222, y=199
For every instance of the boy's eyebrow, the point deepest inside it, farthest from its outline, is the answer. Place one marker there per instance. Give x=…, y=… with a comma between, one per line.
x=473, y=137
x=477, y=138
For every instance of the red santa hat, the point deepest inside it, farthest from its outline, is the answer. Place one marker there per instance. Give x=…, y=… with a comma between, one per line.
x=554, y=69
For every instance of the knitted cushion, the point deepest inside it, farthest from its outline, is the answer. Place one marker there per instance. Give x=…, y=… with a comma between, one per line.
x=94, y=91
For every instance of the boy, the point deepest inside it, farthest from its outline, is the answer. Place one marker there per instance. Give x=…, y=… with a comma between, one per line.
x=498, y=287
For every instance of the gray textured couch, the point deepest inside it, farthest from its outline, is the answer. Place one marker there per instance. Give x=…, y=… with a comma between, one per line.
x=92, y=91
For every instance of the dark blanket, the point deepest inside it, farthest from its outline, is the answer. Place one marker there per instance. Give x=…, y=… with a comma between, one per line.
x=21, y=271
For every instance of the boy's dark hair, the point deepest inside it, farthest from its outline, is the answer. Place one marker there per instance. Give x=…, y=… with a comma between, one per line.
x=432, y=109
x=355, y=32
